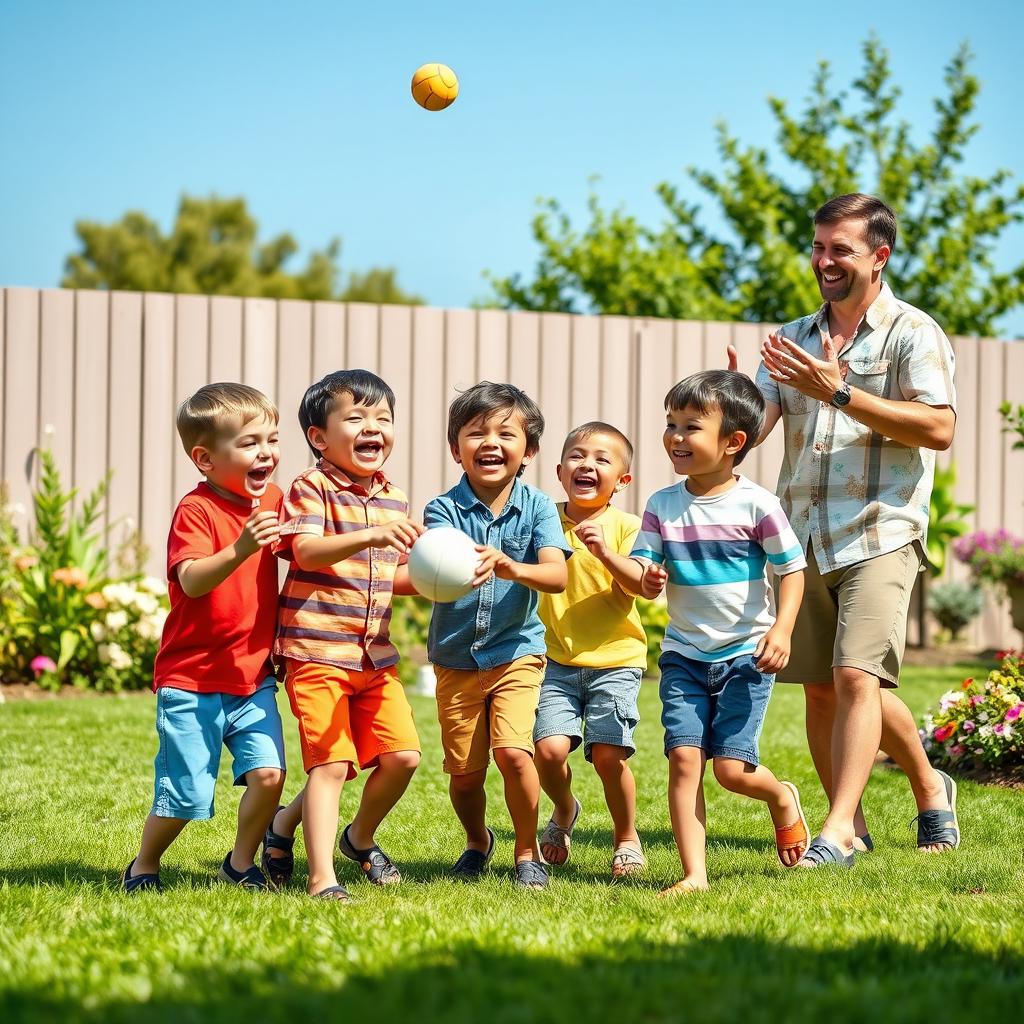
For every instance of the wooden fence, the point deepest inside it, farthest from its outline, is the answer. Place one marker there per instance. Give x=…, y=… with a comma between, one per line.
x=97, y=376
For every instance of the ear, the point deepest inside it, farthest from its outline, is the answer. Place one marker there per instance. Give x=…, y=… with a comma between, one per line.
x=454, y=449
x=202, y=458
x=558, y=472
x=315, y=436
x=736, y=442
x=882, y=254
x=624, y=481
x=529, y=456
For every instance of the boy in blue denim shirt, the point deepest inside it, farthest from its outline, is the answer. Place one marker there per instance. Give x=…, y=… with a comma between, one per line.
x=488, y=647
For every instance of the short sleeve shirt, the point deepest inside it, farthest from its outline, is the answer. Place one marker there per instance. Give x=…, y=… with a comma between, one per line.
x=848, y=490
x=715, y=550
x=340, y=614
x=219, y=642
x=496, y=622
x=594, y=623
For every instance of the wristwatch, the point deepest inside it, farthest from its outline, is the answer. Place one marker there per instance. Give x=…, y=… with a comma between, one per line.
x=841, y=397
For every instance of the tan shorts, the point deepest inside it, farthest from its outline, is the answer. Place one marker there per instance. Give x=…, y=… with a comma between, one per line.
x=480, y=711
x=854, y=617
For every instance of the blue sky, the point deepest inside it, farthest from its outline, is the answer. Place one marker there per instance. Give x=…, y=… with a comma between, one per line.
x=305, y=109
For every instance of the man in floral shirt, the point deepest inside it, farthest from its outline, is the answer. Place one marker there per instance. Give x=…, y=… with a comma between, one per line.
x=864, y=388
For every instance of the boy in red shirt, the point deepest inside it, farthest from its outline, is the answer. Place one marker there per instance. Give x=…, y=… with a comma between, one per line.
x=213, y=676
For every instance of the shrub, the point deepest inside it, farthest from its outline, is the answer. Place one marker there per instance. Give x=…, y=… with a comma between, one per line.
x=654, y=617
x=995, y=557
x=954, y=605
x=980, y=724
x=68, y=616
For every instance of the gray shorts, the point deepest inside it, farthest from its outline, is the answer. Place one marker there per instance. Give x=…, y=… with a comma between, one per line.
x=589, y=705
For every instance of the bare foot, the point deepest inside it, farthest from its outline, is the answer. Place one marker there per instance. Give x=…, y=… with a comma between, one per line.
x=791, y=836
x=684, y=886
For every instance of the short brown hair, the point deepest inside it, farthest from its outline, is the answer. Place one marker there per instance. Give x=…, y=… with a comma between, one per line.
x=215, y=408
x=880, y=219
x=585, y=430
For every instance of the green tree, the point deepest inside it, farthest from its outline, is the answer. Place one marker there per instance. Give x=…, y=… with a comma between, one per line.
x=756, y=270
x=213, y=249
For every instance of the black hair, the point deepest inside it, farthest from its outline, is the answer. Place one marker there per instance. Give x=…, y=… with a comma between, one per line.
x=486, y=399
x=734, y=394
x=318, y=401
x=879, y=219
x=587, y=430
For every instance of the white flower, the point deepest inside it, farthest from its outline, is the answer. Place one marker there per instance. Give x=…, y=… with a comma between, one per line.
x=146, y=603
x=949, y=699
x=49, y=430
x=119, y=658
x=98, y=631
x=985, y=731
x=119, y=593
x=117, y=620
x=982, y=716
x=153, y=585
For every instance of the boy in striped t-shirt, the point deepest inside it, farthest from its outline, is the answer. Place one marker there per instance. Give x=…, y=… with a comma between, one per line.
x=708, y=540
x=346, y=534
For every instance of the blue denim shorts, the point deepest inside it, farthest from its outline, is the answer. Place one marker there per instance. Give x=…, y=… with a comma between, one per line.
x=597, y=705
x=718, y=706
x=192, y=728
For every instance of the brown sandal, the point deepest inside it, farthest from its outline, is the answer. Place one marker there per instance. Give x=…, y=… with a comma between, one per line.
x=794, y=836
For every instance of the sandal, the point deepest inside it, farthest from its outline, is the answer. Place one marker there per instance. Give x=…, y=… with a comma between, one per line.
x=940, y=828
x=795, y=835
x=251, y=878
x=140, y=883
x=559, y=837
x=681, y=887
x=626, y=861
x=334, y=892
x=472, y=865
x=531, y=874
x=866, y=844
x=376, y=865
x=278, y=869
x=822, y=853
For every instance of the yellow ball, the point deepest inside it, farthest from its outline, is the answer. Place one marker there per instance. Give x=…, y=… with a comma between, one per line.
x=434, y=86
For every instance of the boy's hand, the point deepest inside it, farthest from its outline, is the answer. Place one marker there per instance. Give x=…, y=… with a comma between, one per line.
x=261, y=529
x=493, y=561
x=772, y=652
x=400, y=535
x=653, y=581
x=593, y=536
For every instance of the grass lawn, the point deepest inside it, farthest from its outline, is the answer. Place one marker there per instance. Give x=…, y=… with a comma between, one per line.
x=901, y=937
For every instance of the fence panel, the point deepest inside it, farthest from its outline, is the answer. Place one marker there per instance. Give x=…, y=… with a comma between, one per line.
x=107, y=370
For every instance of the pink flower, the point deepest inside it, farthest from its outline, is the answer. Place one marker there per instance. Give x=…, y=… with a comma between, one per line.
x=41, y=663
x=1000, y=729
x=969, y=726
x=957, y=750
x=1014, y=713
x=944, y=732
x=976, y=700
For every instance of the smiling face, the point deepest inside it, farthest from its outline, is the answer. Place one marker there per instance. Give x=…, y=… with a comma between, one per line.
x=592, y=469
x=695, y=443
x=492, y=448
x=357, y=438
x=240, y=463
x=844, y=264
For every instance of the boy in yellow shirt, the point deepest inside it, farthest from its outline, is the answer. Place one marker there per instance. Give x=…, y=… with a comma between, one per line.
x=597, y=650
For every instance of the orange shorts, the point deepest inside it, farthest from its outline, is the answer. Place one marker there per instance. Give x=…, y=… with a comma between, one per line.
x=348, y=716
x=482, y=710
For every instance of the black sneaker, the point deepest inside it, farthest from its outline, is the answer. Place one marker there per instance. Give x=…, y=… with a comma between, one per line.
x=252, y=878
x=473, y=865
x=531, y=874
x=140, y=883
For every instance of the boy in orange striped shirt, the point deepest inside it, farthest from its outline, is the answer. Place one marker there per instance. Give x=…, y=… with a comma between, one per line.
x=346, y=533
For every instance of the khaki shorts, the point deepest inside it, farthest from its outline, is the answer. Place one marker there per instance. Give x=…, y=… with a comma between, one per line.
x=482, y=710
x=854, y=617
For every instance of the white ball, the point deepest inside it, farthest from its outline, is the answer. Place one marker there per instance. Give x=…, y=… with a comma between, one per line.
x=442, y=564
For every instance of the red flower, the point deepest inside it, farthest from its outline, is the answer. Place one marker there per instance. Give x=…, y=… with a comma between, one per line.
x=944, y=732
x=966, y=684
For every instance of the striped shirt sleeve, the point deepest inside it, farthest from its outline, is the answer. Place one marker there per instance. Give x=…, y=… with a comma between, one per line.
x=648, y=544
x=779, y=542
x=303, y=511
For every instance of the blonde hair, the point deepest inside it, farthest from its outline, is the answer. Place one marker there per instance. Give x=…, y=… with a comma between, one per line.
x=215, y=408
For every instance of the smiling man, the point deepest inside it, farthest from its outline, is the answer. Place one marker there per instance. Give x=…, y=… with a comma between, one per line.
x=864, y=389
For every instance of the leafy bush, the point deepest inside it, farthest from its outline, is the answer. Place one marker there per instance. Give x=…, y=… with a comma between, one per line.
x=954, y=605
x=410, y=620
x=994, y=557
x=980, y=725
x=67, y=616
x=654, y=617
x=945, y=518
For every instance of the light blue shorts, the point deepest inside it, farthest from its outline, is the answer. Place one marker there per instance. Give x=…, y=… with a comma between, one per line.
x=192, y=728
x=718, y=706
x=589, y=705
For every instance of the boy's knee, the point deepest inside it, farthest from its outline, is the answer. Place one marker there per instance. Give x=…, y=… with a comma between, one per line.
x=512, y=759
x=728, y=771
x=819, y=696
x=607, y=760
x=467, y=783
x=686, y=759
x=551, y=751
x=264, y=778
x=402, y=761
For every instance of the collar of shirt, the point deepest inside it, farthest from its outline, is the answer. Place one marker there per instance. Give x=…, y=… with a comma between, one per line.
x=344, y=482
x=882, y=310
x=465, y=497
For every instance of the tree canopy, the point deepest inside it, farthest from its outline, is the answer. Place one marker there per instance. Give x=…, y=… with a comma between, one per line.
x=213, y=249
x=756, y=269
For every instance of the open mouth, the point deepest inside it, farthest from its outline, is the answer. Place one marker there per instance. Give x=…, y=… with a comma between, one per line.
x=258, y=477
x=678, y=453
x=490, y=461
x=831, y=278
x=585, y=482
x=369, y=449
